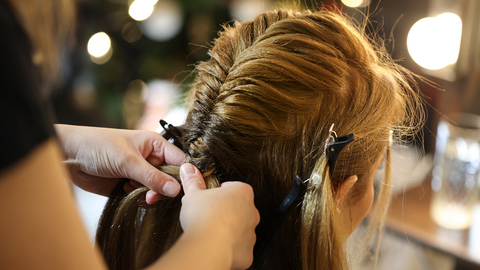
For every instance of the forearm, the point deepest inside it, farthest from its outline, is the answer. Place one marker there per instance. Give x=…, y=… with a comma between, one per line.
x=197, y=250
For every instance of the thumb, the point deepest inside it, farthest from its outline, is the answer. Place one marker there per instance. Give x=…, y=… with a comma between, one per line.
x=142, y=171
x=191, y=178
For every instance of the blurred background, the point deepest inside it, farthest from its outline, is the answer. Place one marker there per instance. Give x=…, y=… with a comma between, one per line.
x=133, y=59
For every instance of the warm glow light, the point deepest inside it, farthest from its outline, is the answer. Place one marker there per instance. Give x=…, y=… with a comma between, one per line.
x=434, y=43
x=102, y=59
x=242, y=10
x=141, y=9
x=165, y=22
x=99, y=45
x=352, y=3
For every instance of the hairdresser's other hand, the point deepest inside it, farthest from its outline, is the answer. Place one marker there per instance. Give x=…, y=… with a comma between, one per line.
x=98, y=158
x=227, y=212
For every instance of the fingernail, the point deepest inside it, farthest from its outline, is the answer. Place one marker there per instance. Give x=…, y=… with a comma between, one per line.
x=171, y=189
x=187, y=170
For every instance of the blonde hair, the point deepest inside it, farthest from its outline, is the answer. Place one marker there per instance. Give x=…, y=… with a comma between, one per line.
x=49, y=26
x=260, y=113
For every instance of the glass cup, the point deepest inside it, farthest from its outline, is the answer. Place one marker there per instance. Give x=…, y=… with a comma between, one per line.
x=456, y=171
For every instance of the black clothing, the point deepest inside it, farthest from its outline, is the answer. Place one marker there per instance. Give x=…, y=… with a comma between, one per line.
x=25, y=120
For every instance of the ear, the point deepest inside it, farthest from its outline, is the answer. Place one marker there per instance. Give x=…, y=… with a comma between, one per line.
x=343, y=189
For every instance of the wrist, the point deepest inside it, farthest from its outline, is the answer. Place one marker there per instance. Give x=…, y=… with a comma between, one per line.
x=217, y=245
x=218, y=241
x=67, y=139
x=198, y=248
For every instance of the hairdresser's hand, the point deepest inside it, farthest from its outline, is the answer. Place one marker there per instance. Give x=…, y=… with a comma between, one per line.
x=227, y=212
x=98, y=158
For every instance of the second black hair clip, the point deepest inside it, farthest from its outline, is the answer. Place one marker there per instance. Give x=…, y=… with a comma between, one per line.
x=333, y=146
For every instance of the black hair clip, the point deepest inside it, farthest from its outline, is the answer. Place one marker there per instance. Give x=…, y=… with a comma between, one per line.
x=334, y=146
x=292, y=199
x=172, y=132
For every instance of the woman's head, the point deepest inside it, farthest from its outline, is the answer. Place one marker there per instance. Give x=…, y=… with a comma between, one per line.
x=263, y=104
x=260, y=113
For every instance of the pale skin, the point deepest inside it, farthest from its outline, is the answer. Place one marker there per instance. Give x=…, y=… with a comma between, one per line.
x=41, y=228
x=198, y=225
x=353, y=213
x=98, y=158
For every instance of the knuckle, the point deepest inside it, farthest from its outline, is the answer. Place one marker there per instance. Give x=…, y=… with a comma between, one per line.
x=192, y=181
x=157, y=143
x=150, y=176
x=257, y=217
x=248, y=191
x=247, y=260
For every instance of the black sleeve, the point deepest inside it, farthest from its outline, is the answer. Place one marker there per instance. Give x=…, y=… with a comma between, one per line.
x=24, y=115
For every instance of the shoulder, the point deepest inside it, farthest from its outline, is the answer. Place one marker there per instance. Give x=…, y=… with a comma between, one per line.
x=37, y=207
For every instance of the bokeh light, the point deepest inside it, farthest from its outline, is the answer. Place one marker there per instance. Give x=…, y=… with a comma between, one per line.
x=99, y=44
x=434, y=43
x=356, y=3
x=242, y=10
x=141, y=9
x=137, y=91
x=161, y=97
x=132, y=32
x=165, y=22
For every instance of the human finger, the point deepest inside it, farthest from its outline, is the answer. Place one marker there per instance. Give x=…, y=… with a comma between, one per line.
x=152, y=197
x=142, y=171
x=191, y=178
x=165, y=152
